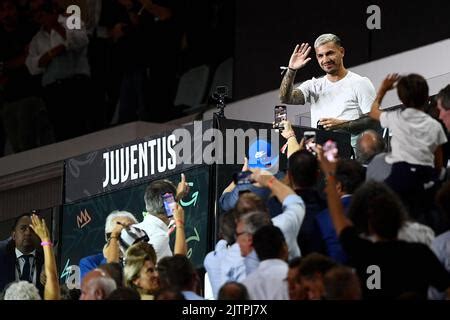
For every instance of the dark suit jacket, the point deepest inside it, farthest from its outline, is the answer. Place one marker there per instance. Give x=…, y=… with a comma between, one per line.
x=8, y=265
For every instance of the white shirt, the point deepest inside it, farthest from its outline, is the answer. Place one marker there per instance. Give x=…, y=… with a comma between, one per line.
x=224, y=264
x=21, y=261
x=72, y=62
x=415, y=136
x=158, y=232
x=268, y=282
x=290, y=221
x=346, y=99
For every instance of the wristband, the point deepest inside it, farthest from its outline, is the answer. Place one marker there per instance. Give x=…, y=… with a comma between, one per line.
x=178, y=221
x=46, y=243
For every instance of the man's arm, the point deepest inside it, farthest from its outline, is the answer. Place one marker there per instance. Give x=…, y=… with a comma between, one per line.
x=298, y=60
x=288, y=94
x=358, y=125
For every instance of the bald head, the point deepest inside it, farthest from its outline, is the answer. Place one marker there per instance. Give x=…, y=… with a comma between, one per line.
x=369, y=144
x=97, y=285
x=233, y=291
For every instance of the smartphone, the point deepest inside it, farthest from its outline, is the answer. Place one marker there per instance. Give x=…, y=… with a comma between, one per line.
x=280, y=115
x=310, y=140
x=169, y=203
x=242, y=177
x=330, y=150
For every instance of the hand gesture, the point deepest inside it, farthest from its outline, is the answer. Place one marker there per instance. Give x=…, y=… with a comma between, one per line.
x=178, y=214
x=261, y=177
x=245, y=166
x=287, y=129
x=328, y=168
x=182, y=188
x=389, y=82
x=40, y=228
x=299, y=57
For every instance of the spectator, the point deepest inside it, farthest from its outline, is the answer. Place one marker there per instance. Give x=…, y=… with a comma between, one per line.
x=220, y=263
x=407, y=268
x=22, y=250
x=417, y=140
x=22, y=290
x=156, y=220
x=60, y=56
x=349, y=176
x=178, y=273
x=114, y=224
x=140, y=272
x=51, y=289
x=341, y=283
x=267, y=282
x=443, y=105
x=124, y=294
x=296, y=290
x=96, y=285
x=233, y=291
x=441, y=245
x=312, y=271
x=115, y=271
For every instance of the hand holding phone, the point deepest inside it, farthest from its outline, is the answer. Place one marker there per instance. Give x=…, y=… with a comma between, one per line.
x=242, y=177
x=330, y=150
x=280, y=115
x=169, y=204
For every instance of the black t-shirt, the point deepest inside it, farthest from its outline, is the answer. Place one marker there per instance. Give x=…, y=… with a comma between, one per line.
x=405, y=268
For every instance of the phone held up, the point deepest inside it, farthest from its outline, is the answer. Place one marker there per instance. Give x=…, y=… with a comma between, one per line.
x=280, y=114
x=242, y=177
x=169, y=204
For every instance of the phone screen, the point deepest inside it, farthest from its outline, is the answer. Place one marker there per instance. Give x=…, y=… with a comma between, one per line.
x=169, y=203
x=280, y=115
x=330, y=150
x=310, y=140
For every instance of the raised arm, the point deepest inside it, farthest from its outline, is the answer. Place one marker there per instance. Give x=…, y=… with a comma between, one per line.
x=180, y=236
x=51, y=289
x=387, y=84
x=299, y=59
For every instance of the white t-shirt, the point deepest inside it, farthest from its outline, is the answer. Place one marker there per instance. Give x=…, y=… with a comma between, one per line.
x=415, y=136
x=158, y=233
x=346, y=99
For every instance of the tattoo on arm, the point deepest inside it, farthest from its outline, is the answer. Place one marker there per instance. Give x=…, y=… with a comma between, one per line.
x=287, y=92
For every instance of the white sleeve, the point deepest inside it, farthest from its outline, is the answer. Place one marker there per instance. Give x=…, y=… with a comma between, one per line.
x=305, y=88
x=77, y=38
x=387, y=118
x=32, y=60
x=441, y=136
x=365, y=93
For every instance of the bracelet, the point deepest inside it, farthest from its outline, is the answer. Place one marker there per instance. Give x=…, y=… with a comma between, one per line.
x=46, y=243
x=178, y=221
x=290, y=135
x=270, y=182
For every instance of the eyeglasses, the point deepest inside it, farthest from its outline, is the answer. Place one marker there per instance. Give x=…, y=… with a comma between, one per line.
x=237, y=234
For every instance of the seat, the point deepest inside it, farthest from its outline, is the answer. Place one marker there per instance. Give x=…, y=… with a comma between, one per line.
x=192, y=87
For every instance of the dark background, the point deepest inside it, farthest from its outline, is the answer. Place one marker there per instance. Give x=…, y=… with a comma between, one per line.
x=266, y=34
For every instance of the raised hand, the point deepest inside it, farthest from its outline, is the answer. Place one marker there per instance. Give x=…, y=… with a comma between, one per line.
x=389, y=82
x=40, y=228
x=300, y=57
x=182, y=188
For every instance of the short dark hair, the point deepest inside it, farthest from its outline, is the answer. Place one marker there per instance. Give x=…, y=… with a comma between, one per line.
x=413, y=91
x=315, y=263
x=17, y=219
x=154, y=203
x=227, y=227
x=176, y=272
x=303, y=167
x=375, y=204
x=268, y=242
x=249, y=202
x=233, y=291
x=350, y=174
x=444, y=96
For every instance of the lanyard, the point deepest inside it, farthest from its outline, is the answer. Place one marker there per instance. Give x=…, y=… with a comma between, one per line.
x=32, y=268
